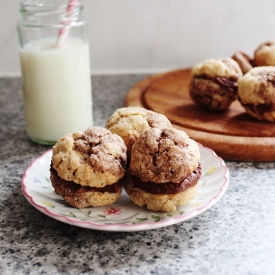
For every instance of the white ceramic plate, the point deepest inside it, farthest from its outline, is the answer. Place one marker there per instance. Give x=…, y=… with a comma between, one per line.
x=123, y=215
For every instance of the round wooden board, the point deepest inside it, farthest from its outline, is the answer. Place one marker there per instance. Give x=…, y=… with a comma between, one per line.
x=232, y=134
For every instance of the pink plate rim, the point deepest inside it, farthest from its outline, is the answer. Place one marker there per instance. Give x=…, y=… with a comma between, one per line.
x=122, y=226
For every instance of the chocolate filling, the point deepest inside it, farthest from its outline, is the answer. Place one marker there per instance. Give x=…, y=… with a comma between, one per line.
x=77, y=188
x=169, y=187
x=230, y=84
x=260, y=108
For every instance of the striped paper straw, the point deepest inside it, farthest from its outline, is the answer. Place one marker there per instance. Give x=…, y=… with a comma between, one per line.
x=63, y=32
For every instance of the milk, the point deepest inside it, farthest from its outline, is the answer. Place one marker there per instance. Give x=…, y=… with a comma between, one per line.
x=57, y=88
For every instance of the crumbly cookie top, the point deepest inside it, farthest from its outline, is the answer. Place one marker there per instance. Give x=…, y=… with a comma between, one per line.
x=94, y=158
x=264, y=55
x=131, y=122
x=136, y=119
x=258, y=86
x=164, y=155
x=224, y=67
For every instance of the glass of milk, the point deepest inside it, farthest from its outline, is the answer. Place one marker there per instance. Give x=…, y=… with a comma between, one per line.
x=55, y=69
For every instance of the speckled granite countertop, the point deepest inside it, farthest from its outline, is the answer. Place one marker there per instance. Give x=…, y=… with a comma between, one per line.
x=235, y=236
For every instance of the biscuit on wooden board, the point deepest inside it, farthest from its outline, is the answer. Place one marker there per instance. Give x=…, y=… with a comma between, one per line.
x=214, y=83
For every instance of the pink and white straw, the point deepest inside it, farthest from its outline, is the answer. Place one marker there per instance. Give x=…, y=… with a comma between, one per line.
x=63, y=32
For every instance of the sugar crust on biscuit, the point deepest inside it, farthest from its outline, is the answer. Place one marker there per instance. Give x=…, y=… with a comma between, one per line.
x=224, y=67
x=103, y=165
x=131, y=122
x=257, y=93
x=254, y=86
x=164, y=155
x=264, y=55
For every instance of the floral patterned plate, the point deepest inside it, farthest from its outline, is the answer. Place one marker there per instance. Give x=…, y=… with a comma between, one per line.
x=123, y=215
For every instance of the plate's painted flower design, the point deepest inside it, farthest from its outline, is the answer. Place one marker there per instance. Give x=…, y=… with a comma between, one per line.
x=112, y=210
x=49, y=204
x=211, y=170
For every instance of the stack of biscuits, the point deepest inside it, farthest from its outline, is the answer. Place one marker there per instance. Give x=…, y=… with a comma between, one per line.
x=87, y=168
x=216, y=83
x=138, y=149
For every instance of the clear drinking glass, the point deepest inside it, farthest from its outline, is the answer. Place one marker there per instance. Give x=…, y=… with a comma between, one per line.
x=55, y=69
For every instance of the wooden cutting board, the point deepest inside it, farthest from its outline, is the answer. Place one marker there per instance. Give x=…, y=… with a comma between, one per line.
x=232, y=134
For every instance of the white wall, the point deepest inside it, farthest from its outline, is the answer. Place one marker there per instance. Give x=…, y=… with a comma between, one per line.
x=139, y=36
